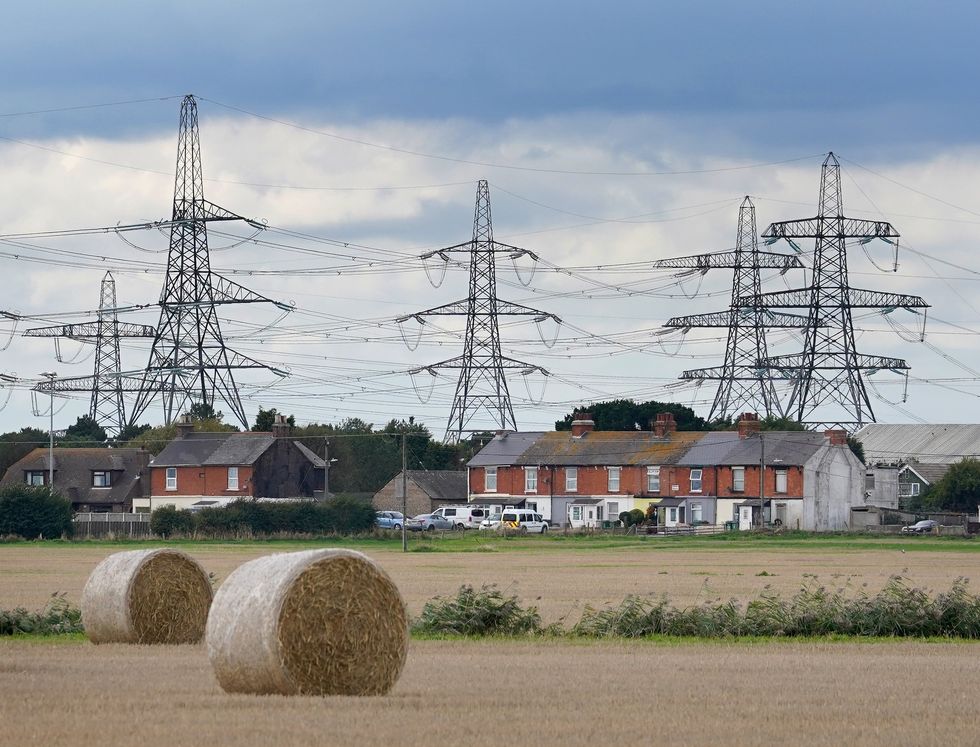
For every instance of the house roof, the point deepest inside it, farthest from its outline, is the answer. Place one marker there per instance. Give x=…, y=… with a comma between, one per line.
x=932, y=443
x=792, y=448
x=316, y=461
x=441, y=485
x=930, y=473
x=504, y=449
x=74, y=468
x=200, y=448
x=607, y=447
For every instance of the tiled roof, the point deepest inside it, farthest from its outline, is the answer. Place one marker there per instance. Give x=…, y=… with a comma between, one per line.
x=218, y=449
x=441, y=485
x=608, y=447
x=931, y=473
x=936, y=444
x=792, y=448
x=504, y=449
x=74, y=468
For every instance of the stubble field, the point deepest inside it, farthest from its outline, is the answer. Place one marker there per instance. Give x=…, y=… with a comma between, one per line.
x=517, y=692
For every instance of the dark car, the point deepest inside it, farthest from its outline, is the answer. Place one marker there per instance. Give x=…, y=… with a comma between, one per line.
x=925, y=526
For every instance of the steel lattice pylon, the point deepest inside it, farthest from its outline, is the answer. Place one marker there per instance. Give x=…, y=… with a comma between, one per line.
x=189, y=360
x=107, y=407
x=482, y=384
x=829, y=370
x=743, y=384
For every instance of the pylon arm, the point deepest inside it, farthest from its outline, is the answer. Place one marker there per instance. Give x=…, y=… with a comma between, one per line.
x=870, y=363
x=467, y=246
x=204, y=210
x=459, y=362
x=718, y=373
x=461, y=308
x=228, y=291
x=732, y=318
x=830, y=227
x=86, y=330
x=766, y=261
x=802, y=298
x=130, y=381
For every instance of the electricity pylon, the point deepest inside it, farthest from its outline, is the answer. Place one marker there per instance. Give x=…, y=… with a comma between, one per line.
x=107, y=407
x=482, y=384
x=744, y=384
x=829, y=370
x=189, y=360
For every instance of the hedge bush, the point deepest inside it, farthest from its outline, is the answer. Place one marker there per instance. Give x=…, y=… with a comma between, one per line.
x=32, y=511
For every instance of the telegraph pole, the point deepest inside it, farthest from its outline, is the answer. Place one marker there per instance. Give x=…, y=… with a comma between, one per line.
x=404, y=491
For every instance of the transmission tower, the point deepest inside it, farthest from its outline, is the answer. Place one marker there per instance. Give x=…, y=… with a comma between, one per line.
x=482, y=384
x=744, y=384
x=189, y=360
x=107, y=407
x=829, y=371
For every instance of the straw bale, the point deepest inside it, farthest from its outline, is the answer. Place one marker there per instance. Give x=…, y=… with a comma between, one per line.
x=318, y=622
x=146, y=596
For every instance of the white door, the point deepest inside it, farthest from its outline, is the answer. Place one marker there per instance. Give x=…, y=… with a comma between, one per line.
x=744, y=518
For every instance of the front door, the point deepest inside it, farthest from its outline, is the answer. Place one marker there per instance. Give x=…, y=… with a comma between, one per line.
x=744, y=518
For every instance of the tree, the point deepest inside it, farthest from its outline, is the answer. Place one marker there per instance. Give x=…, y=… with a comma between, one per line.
x=18, y=444
x=129, y=432
x=959, y=488
x=266, y=418
x=857, y=447
x=627, y=415
x=85, y=432
x=204, y=411
x=155, y=439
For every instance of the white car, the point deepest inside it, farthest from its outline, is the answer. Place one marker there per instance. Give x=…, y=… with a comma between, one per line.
x=523, y=521
x=491, y=522
x=463, y=517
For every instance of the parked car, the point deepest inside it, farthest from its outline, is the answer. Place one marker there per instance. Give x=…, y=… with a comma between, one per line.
x=428, y=523
x=523, y=521
x=388, y=519
x=491, y=522
x=921, y=527
x=464, y=517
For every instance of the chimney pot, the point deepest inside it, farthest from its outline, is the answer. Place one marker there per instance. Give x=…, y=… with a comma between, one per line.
x=582, y=424
x=185, y=425
x=836, y=436
x=664, y=424
x=748, y=424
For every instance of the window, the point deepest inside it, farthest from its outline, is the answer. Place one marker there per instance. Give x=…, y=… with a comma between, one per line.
x=908, y=489
x=571, y=479
x=576, y=513
x=738, y=479
x=101, y=479
x=695, y=480
x=530, y=479
x=531, y=506
x=35, y=477
x=171, y=478
x=613, y=508
x=696, y=513
x=233, y=478
x=780, y=481
x=653, y=479
x=490, y=480
x=672, y=515
x=613, y=482
x=869, y=480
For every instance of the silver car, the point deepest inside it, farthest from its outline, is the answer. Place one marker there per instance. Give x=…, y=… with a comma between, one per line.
x=428, y=523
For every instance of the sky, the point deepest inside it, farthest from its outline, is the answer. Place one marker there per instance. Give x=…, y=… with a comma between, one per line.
x=611, y=134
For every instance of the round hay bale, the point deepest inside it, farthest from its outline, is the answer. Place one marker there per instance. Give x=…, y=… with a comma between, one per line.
x=318, y=622
x=146, y=596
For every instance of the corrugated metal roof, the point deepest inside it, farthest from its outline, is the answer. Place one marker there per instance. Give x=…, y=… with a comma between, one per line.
x=608, y=448
x=935, y=443
x=793, y=448
x=504, y=449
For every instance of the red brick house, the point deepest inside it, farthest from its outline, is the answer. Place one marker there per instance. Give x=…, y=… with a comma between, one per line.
x=585, y=477
x=199, y=469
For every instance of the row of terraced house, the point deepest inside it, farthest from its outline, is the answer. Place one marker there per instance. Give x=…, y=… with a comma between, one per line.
x=584, y=477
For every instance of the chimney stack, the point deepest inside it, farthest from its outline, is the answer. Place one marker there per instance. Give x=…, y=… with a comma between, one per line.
x=664, y=424
x=185, y=426
x=582, y=424
x=748, y=424
x=280, y=428
x=836, y=436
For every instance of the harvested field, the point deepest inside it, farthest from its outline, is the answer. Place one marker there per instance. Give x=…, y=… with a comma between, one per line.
x=559, y=577
x=504, y=692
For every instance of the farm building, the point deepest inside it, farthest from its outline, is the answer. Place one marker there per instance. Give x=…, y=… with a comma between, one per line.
x=212, y=468
x=427, y=490
x=585, y=477
x=94, y=480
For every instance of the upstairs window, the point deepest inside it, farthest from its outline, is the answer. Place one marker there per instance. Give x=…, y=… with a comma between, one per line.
x=530, y=479
x=101, y=479
x=908, y=489
x=490, y=479
x=653, y=479
x=613, y=482
x=233, y=478
x=780, y=481
x=571, y=479
x=171, y=478
x=35, y=477
x=696, y=480
x=738, y=479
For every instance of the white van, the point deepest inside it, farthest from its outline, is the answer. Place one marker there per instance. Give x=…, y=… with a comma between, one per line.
x=463, y=517
x=522, y=520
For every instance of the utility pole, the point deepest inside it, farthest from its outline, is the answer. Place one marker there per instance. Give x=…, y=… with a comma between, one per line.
x=482, y=385
x=829, y=371
x=50, y=376
x=404, y=491
x=762, y=479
